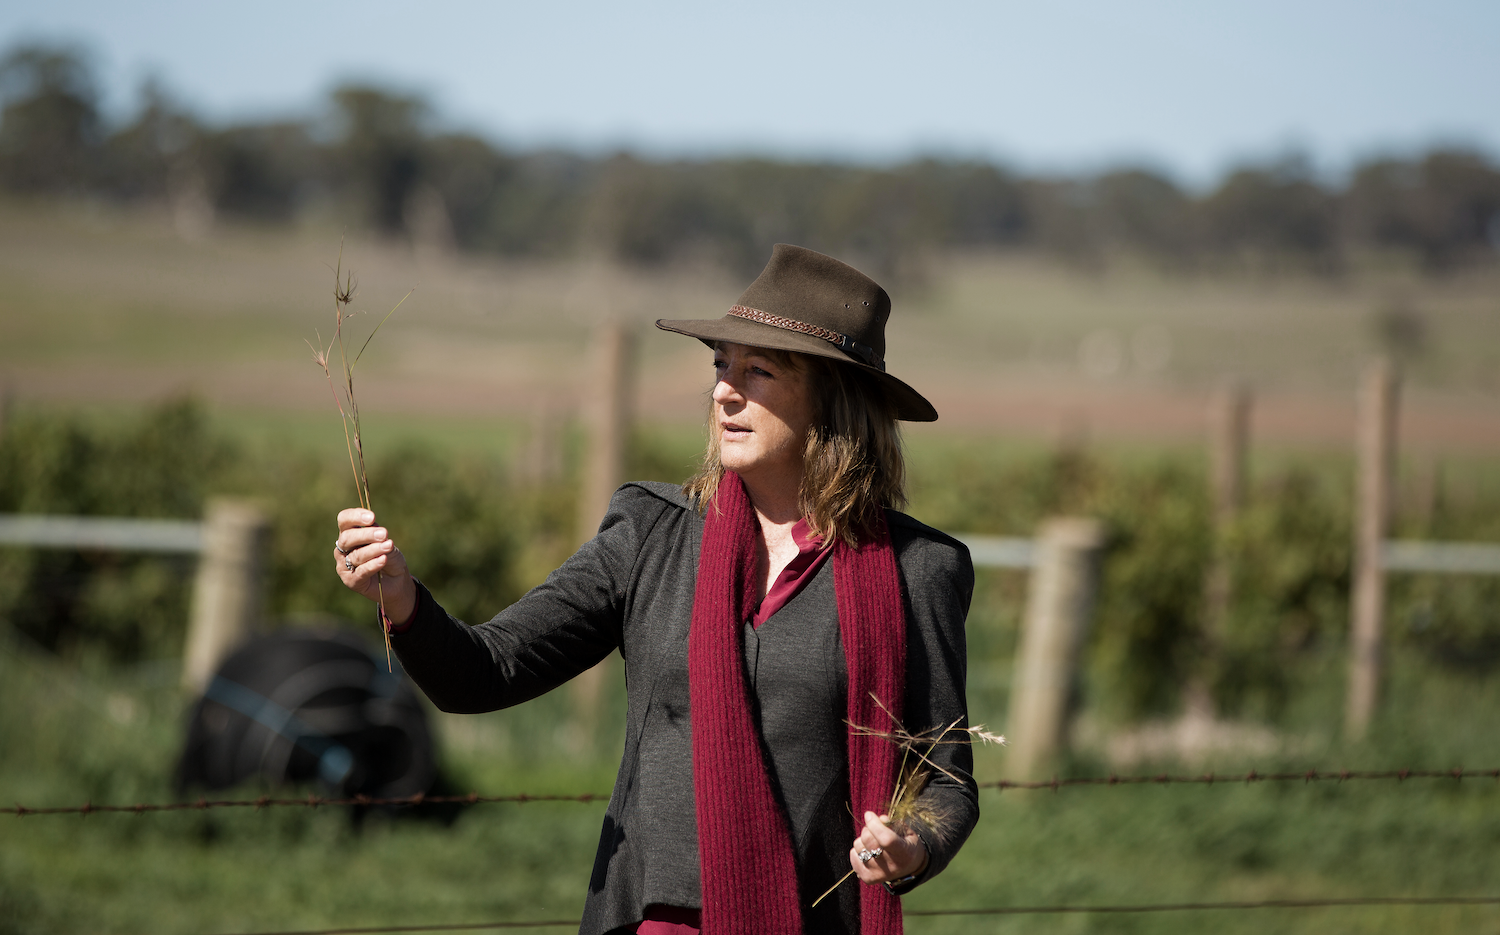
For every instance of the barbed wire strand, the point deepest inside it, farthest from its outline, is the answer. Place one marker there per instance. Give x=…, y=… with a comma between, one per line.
x=311, y=801
x=457, y=927
x=1253, y=776
x=1354, y=901
x=1350, y=902
x=316, y=801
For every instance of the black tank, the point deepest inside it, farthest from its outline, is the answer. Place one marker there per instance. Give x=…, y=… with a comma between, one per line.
x=298, y=707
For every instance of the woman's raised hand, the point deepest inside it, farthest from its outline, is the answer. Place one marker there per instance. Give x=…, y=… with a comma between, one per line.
x=370, y=564
x=891, y=856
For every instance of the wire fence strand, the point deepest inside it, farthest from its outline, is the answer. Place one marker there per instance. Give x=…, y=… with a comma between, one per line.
x=311, y=801
x=1306, y=777
x=1354, y=901
x=458, y=927
x=1253, y=776
x=1334, y=903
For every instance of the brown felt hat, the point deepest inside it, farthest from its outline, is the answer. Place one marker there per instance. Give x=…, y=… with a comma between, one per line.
x=806, y=302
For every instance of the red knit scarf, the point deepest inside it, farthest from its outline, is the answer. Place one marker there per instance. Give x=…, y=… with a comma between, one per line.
x=749, y=867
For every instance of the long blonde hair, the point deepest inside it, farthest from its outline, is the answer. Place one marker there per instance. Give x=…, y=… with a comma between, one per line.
x=853, y=464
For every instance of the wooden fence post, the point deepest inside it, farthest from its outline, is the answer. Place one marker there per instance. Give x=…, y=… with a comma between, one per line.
x=1059, y=605
x=229, y=590
x=540, y=460
x=1228, y=455
x=1229, y=451
x=609, y=408
x=1376, y=456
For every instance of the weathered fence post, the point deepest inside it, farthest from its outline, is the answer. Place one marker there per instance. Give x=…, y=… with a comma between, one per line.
x=7, y=402
x=229, y=590
x=540, y=460
x=1059, y=605
x=1376, y=455
x=610, y=405
x=1229, y=448
x=1228, y=455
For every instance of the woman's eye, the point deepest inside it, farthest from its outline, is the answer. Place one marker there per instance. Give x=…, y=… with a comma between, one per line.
x=764, y=373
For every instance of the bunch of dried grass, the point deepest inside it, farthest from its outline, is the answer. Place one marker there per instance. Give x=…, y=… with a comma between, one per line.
x=907, y=810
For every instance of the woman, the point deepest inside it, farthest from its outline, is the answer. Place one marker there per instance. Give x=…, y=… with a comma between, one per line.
x=761, y=608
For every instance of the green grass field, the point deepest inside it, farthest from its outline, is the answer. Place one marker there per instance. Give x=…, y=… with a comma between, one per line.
x=70, y=736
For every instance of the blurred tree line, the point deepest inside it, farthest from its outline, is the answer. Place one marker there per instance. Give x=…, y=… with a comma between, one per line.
x=378, y=159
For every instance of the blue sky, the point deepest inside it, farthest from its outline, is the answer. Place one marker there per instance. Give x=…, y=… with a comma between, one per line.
x=1190, y=87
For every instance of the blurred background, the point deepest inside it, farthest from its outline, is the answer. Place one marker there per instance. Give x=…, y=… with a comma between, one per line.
x=1143, y=258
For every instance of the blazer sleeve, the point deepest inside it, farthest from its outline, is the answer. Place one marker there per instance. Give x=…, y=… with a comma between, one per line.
x=939, y=582
x=560, y=628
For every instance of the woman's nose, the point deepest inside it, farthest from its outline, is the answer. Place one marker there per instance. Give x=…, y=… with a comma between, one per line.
x=724, y=391
x=727, y=389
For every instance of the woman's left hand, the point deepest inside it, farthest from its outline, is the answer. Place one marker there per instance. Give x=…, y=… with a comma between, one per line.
x=895, y=856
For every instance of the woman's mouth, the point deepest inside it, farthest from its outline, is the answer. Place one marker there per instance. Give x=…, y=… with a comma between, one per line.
x=734, y=430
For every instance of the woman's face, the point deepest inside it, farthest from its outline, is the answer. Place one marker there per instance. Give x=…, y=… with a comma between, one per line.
x=762, y=413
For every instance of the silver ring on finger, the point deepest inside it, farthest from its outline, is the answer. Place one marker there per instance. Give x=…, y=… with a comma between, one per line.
x=339, y=549
x=866, y=855
x=348, y=565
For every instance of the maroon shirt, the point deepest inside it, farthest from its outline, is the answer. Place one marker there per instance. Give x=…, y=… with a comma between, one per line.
x=794, y=577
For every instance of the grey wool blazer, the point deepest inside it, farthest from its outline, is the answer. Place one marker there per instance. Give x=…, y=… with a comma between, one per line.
x=631, y=588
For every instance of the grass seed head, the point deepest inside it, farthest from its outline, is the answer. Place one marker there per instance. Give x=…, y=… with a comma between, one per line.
x=343, y=295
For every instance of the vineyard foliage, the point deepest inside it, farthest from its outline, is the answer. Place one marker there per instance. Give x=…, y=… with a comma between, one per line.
x=479, y=535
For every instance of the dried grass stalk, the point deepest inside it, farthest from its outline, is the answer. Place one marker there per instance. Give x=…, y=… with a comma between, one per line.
x=907, y=809
x=344, y=287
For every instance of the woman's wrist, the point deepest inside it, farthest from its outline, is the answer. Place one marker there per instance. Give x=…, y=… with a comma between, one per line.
x=916, y=840
x=400, y=609
x=898, y=886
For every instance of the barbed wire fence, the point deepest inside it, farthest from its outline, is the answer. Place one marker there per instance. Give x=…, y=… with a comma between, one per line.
x=1305, y=777
x=1252, y=777
x=1352, y=902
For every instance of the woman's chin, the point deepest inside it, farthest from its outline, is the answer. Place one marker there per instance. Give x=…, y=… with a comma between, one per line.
x=746, y=467
x=740, y=466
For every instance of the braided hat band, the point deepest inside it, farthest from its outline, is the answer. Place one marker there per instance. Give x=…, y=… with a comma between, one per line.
x=841, y=341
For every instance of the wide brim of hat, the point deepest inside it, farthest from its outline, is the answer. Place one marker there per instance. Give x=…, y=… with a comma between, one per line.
x=911, y=406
